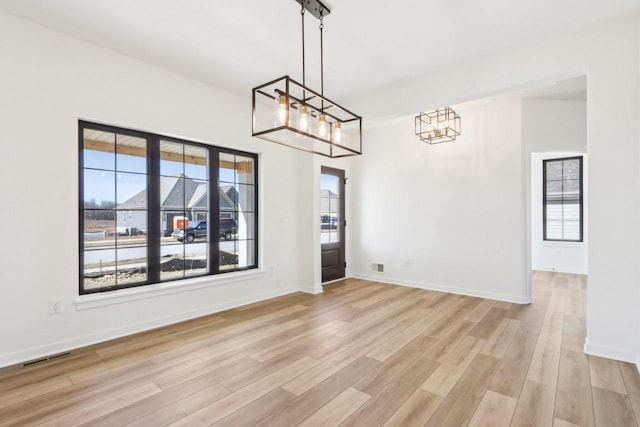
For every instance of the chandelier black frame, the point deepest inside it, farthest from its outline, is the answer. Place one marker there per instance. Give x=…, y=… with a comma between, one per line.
x=438, y=126
x=287, y=112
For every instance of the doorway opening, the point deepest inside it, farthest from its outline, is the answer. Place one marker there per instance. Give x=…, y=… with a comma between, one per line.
x=554, y=126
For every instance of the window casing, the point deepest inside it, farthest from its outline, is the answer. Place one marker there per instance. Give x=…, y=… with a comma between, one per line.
x=563, y=199
x=138, y=191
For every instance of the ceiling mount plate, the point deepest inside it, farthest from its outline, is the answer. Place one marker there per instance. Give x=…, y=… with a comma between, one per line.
x=315, y=7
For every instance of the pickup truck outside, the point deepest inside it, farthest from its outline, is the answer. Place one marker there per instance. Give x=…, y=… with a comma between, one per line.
x=198, y=230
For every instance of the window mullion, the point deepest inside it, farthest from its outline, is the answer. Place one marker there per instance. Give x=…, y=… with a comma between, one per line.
x=581, y=201
x=154, y=216
x=81, y=245
x=544, y=200
x=562, y=194
x=214, y=211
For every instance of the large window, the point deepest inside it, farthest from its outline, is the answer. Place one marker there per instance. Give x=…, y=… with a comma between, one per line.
x=563, y=199
x=154, y=209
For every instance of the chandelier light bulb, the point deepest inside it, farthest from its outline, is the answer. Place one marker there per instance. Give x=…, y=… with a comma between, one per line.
x=303, y=118
x=282, y=110
x=323, y=126
x=337, y=132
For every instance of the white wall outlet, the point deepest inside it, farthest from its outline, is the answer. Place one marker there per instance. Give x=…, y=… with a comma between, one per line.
x=55, y=306
x=407, y=263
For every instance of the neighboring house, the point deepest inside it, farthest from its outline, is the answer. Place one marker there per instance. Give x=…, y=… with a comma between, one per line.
x=328, y=208
x=179, y=196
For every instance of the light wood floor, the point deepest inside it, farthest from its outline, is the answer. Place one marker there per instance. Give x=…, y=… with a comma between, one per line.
x=363, y=353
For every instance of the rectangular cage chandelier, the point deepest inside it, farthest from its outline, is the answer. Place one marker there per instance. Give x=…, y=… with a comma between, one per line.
x=287, y=112
x=438, y=126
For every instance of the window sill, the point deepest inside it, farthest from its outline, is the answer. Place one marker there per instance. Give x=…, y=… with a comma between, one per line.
x=552, y=244
x=85, y=302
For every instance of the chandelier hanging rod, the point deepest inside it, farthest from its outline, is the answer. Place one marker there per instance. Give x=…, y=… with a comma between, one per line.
x=304, y=81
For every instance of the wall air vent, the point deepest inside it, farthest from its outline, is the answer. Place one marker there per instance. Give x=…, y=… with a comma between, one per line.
x=44, y=359
x=378, y=268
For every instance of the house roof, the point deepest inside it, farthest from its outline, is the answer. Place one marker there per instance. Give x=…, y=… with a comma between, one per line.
x=180, y=194
x=228, y=197
x=180, y=191
x=328, y=201
x=327, y=193
x=199, y=199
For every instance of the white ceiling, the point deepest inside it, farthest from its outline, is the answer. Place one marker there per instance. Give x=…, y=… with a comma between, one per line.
x=238, y=44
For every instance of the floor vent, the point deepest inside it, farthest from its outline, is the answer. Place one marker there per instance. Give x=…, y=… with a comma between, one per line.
x=378, y=268
x=44, y=359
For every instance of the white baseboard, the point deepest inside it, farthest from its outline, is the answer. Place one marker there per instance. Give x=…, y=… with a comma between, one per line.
x=312, y=291
x=75, y=343
x=316, y=291
x=336, y=281
x=554, y=269
x=518, y=299
x=611, y=353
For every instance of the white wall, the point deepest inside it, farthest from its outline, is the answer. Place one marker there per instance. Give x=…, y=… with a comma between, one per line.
x=609, y=56
x=47, y=82
x=553, y=129
x=447, y=216
x=550, y=125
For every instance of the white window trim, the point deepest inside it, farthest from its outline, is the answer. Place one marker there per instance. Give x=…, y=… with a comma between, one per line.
x=565, y=244
x=119, y=296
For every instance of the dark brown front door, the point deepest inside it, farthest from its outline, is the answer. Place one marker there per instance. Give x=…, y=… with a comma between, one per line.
x=332, y=223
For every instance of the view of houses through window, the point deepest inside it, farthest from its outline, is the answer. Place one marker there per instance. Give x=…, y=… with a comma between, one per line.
x=237, y=211
x=114, y=240
x=146, y=205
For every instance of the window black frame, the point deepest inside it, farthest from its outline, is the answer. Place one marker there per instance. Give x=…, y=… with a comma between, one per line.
x=544, y=198
x=154, y=208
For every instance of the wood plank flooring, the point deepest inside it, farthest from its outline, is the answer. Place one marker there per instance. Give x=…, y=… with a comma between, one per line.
x=361, y=354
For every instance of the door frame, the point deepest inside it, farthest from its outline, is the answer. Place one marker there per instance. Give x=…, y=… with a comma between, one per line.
x=341, y=245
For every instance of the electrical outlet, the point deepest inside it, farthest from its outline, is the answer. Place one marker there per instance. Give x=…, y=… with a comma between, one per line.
x=55, y=306
x=407, y=263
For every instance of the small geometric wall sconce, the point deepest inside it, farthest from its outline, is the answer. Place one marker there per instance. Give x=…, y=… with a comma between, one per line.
x=441, y=125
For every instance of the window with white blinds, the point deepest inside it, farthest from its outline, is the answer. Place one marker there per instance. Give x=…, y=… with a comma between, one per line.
x=562, y=199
